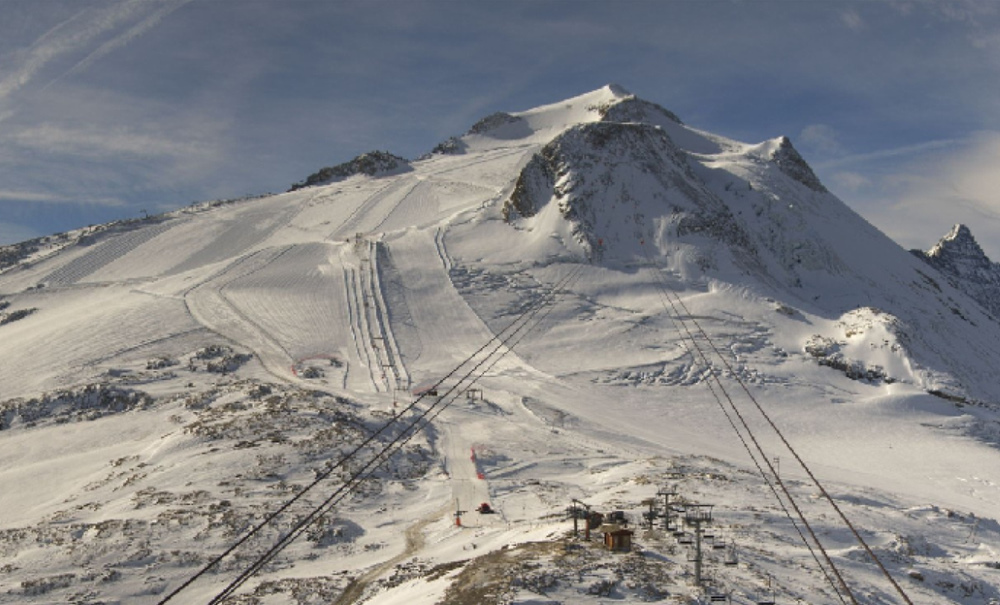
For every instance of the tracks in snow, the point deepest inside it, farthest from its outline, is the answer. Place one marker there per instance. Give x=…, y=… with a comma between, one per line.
x=373, y=339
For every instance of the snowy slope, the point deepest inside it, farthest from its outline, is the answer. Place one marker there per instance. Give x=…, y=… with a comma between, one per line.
x=166, y=383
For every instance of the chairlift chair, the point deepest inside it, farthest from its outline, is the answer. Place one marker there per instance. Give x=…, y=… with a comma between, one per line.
x=769, y=599
x=731, y=560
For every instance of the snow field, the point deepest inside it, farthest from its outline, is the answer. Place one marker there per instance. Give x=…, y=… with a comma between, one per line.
x=399, y=279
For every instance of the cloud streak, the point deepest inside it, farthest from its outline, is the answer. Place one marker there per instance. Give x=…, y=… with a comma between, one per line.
x=36, y=197
x=50, y=138
x=916, y=203
x=77, y=33
x=124, y=38
x=885, y=154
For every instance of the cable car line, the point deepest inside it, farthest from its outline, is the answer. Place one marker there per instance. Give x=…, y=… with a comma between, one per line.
x=788, y=445
x=401, y=439
x=498, y=339
x=798, y=458
x=679, y=323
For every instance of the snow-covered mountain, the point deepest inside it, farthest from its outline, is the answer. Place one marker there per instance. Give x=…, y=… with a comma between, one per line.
x=569, y=281
x=960, y=259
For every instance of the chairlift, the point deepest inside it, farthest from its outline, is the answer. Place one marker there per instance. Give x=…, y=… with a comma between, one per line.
x=766, y=599
x=731, y=560
x=718, y=544
x=718, y=598
x=685, y=538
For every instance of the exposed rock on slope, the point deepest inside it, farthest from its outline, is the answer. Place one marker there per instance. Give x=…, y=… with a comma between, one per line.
x=792, y=164
x=373, y=163
x=501, y=125
x=607, y=178
x=634, y=109
x=959, y=257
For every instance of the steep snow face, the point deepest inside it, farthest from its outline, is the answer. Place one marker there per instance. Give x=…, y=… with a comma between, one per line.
x=623, y=193
x=623, y=190
x=959, y=257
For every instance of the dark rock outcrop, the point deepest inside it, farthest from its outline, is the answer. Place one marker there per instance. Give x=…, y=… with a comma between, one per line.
x=373, y=163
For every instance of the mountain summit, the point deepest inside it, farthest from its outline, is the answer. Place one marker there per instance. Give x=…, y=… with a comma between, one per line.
x=960, y=258
x=408, y=381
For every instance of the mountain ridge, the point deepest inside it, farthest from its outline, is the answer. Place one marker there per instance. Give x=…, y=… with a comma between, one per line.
x=959, y=257
x=184, y=376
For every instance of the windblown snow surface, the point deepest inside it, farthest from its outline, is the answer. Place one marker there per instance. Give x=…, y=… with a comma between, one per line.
x=167, y=383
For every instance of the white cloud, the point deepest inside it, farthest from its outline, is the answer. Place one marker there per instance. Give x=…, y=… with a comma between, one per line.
x=849, y=181
x=822, y=138
x=21, y=195
x=852, y=20
x=125, y=37
x=80, y=32
x=885, y=154
x=929, y=195
x=95, y=143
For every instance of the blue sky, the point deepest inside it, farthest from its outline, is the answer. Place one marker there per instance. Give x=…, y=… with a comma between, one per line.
x=109, y=108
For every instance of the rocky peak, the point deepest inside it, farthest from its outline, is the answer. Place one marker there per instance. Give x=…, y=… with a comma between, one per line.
x=959, y=246
x=372, y=163
x=792, y=164
x=960, y=258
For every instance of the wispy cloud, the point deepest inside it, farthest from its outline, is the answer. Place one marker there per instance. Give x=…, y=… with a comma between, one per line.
x=125, y=37
x=884, y=154
x=11, y=195
x=55, y=139
x=850, y=181
x=822, y=138
x=80, y=32
x=852, y=20
x=920, y=200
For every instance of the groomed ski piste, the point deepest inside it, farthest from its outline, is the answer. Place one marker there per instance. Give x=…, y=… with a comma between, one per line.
x=579, y=303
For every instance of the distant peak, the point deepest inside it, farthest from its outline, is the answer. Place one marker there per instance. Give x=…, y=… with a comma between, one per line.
x=959, y=242
x=959, y=231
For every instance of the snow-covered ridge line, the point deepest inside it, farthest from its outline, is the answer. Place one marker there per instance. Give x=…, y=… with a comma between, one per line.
x=184, y=375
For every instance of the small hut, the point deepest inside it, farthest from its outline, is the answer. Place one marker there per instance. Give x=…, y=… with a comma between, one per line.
x=616, y=537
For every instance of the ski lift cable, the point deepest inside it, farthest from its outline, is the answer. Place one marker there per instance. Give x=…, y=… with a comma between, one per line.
x=794, y=453
x=663, y=291
x=529, y=312
x=690, y=341
x=427, y=415
x=788, y=495
x=802, y=463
